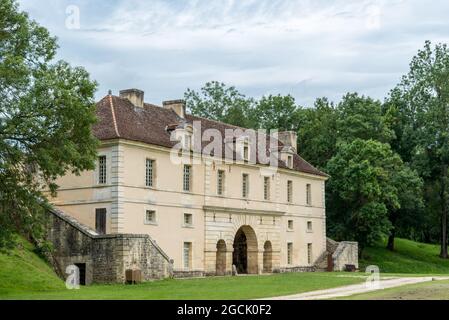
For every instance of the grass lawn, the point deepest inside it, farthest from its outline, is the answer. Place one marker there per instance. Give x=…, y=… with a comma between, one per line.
x=24, y=275
x=408, y=257
x=226, y=288
x=434, y=290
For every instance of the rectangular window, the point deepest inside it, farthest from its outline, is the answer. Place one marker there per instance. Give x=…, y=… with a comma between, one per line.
x=309, y=194
x=149, y=173
x=102, y=170
x=188, y=219
x=289, y=190
x=150, y=216
x=309, y=226
x=245, y=152
x=187, y=184
x=220, y=182
x=187, y=255
x=290, y=161
x=289, y=253
x=187, y=142
x=266, y=188
x=100, y=220
x=290, y=224
x=245, y=185
x=309, y=253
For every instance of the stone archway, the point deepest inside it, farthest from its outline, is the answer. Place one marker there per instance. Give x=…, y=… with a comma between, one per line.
x=267, y=257
x=245, y=253
x=221, y=258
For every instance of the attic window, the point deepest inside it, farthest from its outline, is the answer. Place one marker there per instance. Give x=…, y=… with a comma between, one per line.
x=187, y=142
x=245, y=152
x=290, y=162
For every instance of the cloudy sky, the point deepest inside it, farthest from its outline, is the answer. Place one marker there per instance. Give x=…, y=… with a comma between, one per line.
x=307, y=48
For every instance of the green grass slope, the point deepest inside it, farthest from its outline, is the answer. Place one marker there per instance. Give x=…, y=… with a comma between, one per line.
x=22, y=270
x=408, y=257
x=24, y=275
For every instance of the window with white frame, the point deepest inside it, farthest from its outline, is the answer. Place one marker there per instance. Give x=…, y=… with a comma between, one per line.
x=102, y=169
x=245, y=185
x=188, y=219
x=150, y=216
x=187, y=255
x=289, y=253
x=150, y=170
x=309, y=194
x=187, y=181
x=266, y=188
x=220, y=182
x=289, y=191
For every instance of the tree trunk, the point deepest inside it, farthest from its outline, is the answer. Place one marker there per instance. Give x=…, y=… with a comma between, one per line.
x=443, y=251
x=393, y=220
x=390, y=244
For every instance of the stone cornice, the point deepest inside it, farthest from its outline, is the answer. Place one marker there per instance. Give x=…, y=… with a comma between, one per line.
x=243, y=211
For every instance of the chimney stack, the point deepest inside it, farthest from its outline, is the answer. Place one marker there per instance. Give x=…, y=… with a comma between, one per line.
x=135, y=96
x=178, y=106
x=288, y=138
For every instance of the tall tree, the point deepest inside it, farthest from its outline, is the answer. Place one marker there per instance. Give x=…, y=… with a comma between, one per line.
x=361, y=190
x=426, y=89
x=219, y=102
x=409, y=213
x=361, y=117
x=46, y=113
x=318, y=133
x=277, y=112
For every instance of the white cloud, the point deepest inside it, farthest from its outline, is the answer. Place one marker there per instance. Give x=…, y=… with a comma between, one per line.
x=306, y=48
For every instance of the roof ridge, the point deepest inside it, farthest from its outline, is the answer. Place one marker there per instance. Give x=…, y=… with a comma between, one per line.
x=114, y=119
x=220, y=122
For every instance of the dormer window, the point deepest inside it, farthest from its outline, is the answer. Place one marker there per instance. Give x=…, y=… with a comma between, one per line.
x=244, y=148
x=245, y=152
x=290, y=162
x=187, y=142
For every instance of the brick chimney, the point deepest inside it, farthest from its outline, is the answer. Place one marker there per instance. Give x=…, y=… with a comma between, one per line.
x=178, y=106
x=135, y=96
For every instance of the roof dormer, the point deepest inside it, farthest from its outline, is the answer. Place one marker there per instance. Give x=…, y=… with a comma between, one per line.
x=288, y=149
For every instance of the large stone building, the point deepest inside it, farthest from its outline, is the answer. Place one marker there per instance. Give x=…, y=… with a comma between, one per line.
x=207, y=212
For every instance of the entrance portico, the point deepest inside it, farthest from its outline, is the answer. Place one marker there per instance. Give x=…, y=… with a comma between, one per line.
x=251, y=242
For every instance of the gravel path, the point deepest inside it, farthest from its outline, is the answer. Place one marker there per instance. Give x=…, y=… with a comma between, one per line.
x=356, y=288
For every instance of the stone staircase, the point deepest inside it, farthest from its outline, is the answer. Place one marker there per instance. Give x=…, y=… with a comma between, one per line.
x=342, y=253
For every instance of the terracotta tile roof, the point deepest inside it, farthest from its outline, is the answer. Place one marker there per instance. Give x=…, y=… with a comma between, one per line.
x=119, y=118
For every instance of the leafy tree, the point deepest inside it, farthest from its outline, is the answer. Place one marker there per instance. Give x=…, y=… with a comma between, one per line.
x=409, y=215
x=317, y=133
x=361, y=190
x=46, y=113
x=218, y=102
x=425, y=91
x=361, y=117
x=276, y=112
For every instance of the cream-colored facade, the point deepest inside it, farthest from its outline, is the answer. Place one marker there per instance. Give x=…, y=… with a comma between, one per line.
x=278, y=233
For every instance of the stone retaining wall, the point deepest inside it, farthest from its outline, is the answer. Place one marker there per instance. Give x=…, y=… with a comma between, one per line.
x=297, y=269
x=106, y=257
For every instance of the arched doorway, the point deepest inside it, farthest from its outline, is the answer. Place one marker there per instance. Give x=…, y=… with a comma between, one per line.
x=267, y=257
x=221, y=258
x=245, y=252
